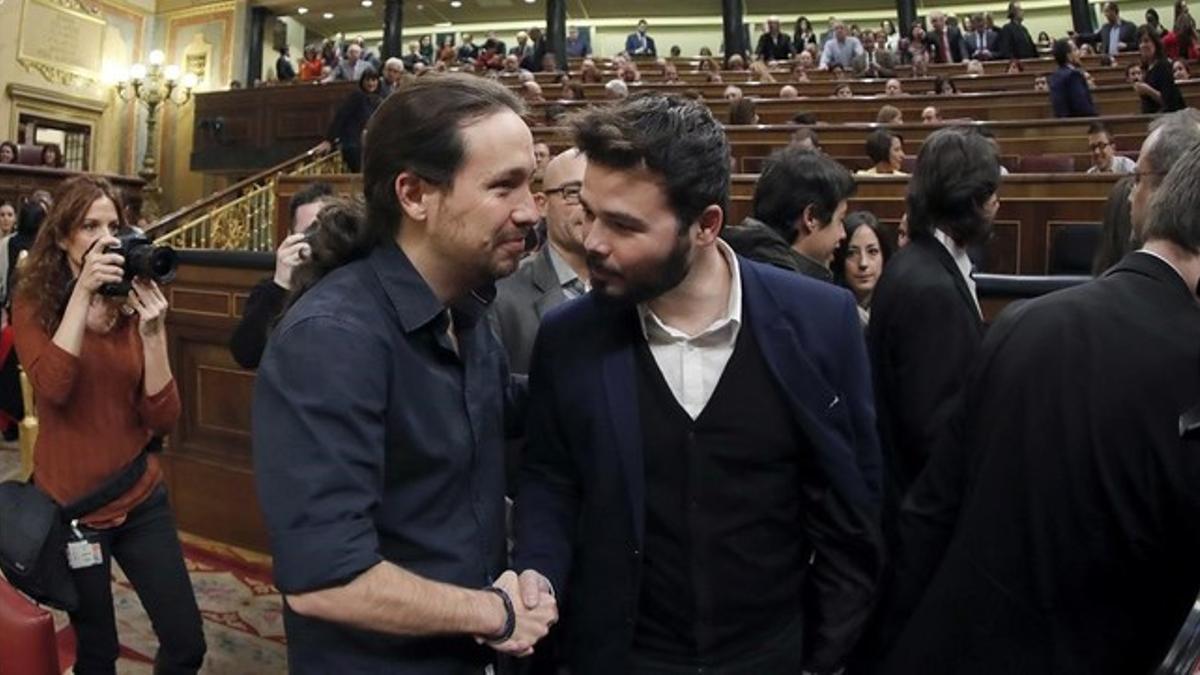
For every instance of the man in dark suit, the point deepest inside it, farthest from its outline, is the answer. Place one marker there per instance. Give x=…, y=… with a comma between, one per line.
x=701, y=480
x=1014, y=41
x=1069, y=93
x=639, y=43
x=1116, y=35
x=926, y=324
x=556, y=274
x=944, y=42
x=980, y=42
x=774, y=45
x=1070, y=505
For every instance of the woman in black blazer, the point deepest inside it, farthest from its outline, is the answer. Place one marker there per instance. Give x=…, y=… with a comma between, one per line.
x=351, y=120
x=1158, y=90
x=804, y=35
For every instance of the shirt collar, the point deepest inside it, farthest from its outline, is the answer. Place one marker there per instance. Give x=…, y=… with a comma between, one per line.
x=653, y=329
x=957, y=252
x=411, y=297
x=1168, y=262
x=565, y=274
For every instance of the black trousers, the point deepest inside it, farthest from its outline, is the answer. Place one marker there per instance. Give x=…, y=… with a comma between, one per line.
x=147, y=547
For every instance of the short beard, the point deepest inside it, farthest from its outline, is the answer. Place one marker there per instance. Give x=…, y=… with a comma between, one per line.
x=669, y=274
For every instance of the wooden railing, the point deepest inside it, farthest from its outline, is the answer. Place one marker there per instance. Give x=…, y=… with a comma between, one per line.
x=242, y=216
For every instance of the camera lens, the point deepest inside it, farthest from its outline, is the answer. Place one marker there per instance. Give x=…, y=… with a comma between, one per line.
x=162, y=264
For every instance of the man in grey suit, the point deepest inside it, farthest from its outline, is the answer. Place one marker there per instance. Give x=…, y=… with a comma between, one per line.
x=874, y=62
x=556, y=274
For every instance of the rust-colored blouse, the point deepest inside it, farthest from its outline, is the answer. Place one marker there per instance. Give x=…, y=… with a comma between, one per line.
x=93, y=415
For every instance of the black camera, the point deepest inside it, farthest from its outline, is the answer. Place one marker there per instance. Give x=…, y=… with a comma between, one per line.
x=142, y=260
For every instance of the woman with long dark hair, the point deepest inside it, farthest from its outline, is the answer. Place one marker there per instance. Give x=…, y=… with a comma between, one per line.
x=99, y=369
x=1183, y=42
x=858, y=261
x=803, y=35
x=351, y=119
x=1158, y=90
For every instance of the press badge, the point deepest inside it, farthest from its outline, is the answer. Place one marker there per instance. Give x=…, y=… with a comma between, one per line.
x=82, y=553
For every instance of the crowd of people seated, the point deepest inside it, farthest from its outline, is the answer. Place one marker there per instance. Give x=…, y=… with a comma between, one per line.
x=983, y=526
x=846, y=48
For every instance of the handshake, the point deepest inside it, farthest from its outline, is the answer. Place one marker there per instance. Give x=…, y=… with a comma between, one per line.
x=529, y=610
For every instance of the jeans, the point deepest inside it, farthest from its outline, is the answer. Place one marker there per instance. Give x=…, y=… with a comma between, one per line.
x=147, y=547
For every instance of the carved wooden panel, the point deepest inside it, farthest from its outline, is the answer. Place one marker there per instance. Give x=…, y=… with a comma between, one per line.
x=208, y=460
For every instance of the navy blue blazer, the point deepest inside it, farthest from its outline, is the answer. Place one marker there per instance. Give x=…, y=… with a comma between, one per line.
x=633, y=43
x=1069, y=93
x=580, y=499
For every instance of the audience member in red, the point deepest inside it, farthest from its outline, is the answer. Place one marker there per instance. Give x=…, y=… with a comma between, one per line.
x=1183, y=42
x=8, y=152
x=312, y=68
x=52, y=155
x=98, y=365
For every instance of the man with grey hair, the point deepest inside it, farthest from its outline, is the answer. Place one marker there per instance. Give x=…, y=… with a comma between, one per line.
x=393, y=75
x=616, y=89
x=945, y=42
x=1170, y=137
x=841, y=50
x=1072, y=474
x=351, y=68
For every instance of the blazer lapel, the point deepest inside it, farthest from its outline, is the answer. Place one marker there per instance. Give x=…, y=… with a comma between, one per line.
x=545, y=283
x=620, y=389
x=781, y=348
x=810, y=395
x=951, y=268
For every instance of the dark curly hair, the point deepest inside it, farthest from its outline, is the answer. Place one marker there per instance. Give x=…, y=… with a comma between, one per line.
x=674, y=137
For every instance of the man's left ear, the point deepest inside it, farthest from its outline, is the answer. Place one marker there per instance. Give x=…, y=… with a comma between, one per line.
x=710, y=221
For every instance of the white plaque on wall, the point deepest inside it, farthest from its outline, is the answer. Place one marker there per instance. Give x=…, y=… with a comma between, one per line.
x=61, y=39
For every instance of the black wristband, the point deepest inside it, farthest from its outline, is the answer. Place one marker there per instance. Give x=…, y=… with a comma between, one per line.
x=510, y=616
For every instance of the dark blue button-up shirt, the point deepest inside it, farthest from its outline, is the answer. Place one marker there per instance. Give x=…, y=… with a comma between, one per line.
x=374, y=439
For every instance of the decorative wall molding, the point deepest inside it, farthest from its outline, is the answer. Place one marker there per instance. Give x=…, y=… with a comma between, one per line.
x=62, y=40
x=24, y=93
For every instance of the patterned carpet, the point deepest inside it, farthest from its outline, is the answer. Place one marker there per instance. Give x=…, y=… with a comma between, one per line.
x=243, y=624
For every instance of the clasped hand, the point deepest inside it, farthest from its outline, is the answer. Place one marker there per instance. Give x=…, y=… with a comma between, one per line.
x=535, y=608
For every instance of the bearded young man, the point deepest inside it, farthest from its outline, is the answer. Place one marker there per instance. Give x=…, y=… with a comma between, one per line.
x=701, y=484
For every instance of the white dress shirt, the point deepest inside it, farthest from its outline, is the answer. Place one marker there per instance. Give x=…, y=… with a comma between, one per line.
x=962, y=260
x=692, y=364
x=1120, y=164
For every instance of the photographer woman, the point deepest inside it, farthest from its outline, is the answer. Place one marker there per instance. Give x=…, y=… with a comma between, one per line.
x=99, y=369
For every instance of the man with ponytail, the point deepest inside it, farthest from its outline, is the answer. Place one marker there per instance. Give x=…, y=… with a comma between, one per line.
x=380, y=404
